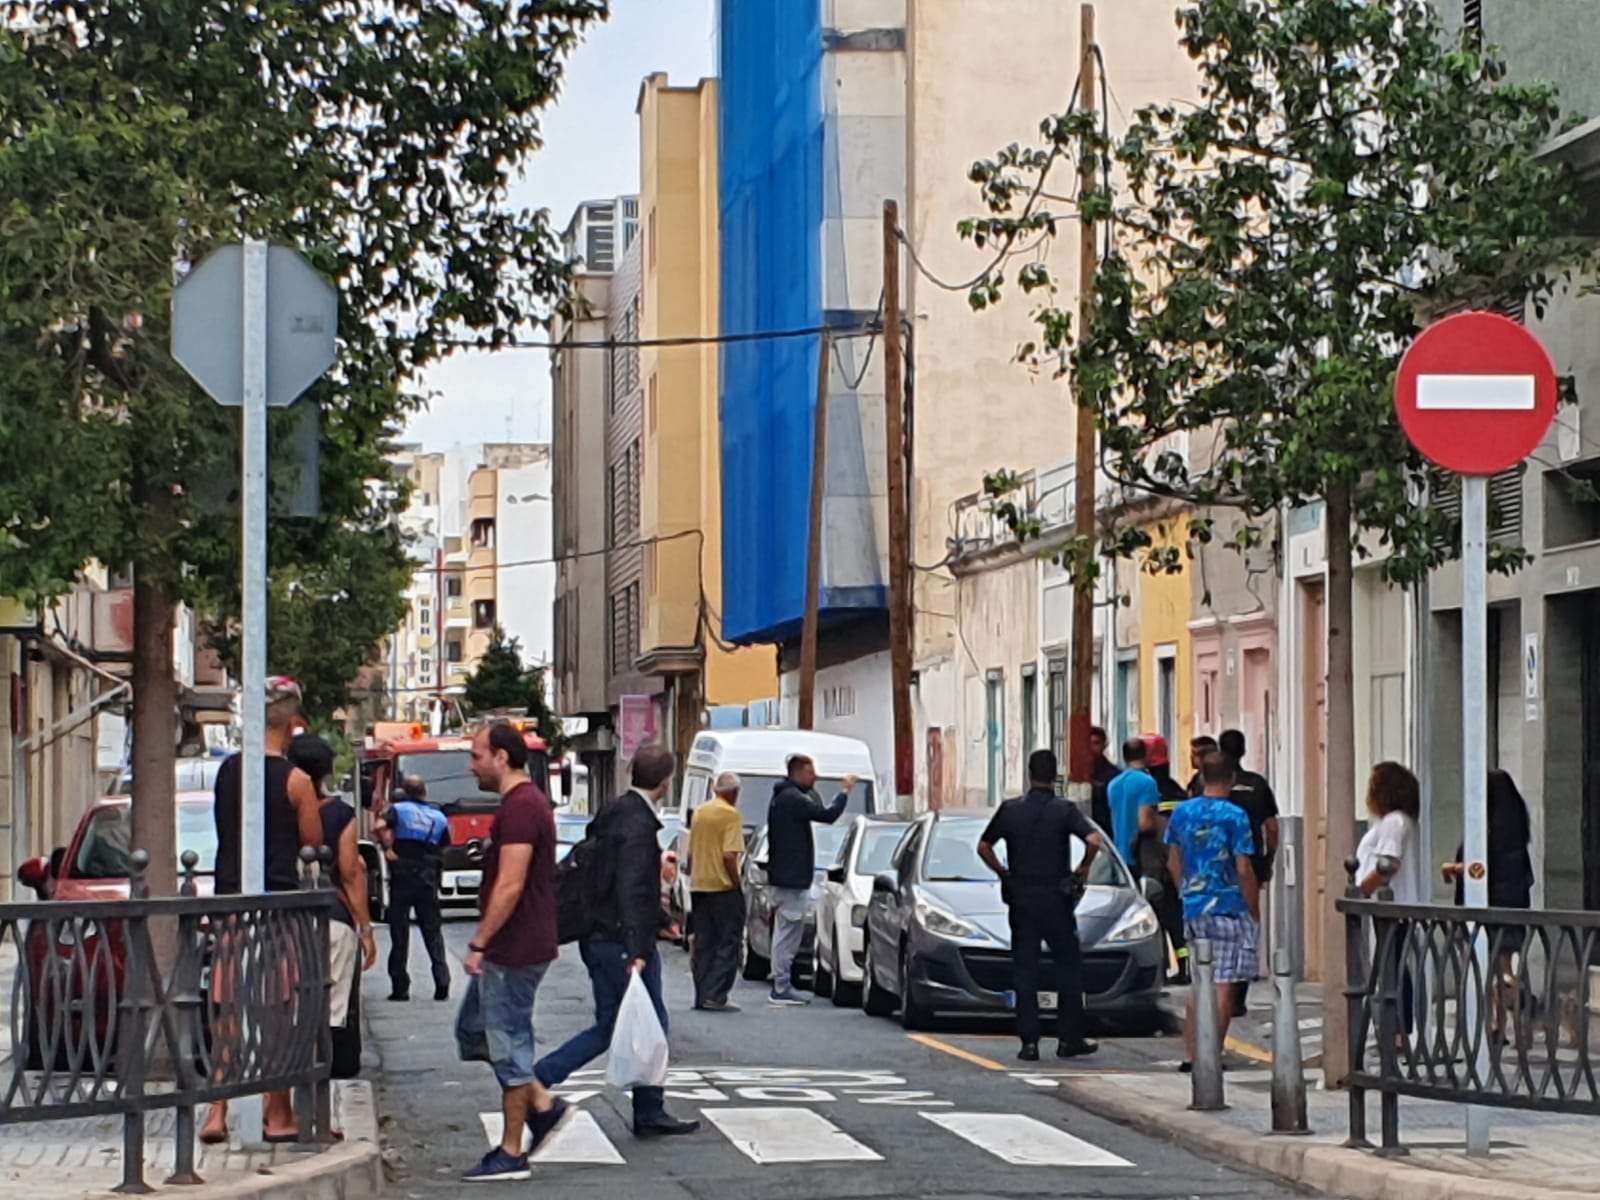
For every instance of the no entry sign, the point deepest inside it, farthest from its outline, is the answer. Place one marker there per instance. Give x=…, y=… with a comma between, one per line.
x=1476, y=393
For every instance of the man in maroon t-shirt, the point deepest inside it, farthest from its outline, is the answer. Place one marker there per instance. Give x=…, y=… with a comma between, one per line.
x=514, y=945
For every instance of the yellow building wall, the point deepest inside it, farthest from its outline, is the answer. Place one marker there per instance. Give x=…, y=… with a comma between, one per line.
x=1164, y=614
x=681, y=491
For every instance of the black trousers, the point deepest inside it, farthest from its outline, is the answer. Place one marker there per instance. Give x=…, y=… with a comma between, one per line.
x=718, y=921
x=419, y=894
x=1046, y=915
x=1169, y=911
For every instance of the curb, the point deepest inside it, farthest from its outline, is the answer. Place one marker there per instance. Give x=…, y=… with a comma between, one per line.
x=351, y=1170
x=1330, y=1169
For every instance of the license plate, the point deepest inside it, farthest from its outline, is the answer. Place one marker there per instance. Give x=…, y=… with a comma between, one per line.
x=469, y=879
x=1047, y=999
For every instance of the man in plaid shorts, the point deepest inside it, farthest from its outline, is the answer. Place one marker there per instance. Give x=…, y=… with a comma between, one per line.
x=1210, y=845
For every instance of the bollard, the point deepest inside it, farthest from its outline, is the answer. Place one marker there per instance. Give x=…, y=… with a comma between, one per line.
x=1288, y=1069
x=1206, y=1082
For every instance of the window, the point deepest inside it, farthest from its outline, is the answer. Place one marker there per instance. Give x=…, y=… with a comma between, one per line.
x=483, y=533
x=483, y=614
x=1572, y=504
x=452, y=587
x=1167, y=693
x=427, y=666
x=622, y=495
x=1505, y=500
x=1058, y=714
x=838, y=702
x=1030, y=709
x=455, y=652
x=995, y=731
x=1127, y=694
x=624, y=640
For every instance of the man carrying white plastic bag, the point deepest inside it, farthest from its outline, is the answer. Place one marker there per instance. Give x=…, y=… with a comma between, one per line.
x=638, y=1046
x=624, y=918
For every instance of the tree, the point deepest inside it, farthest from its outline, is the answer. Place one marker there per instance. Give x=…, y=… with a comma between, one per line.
x=501, y=681
x=135, y=136
x=1347, y=171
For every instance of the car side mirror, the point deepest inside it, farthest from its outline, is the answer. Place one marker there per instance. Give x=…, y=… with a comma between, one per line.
x=35, y=873
x=1151, y=889
x=887, y=884
x=835, y=874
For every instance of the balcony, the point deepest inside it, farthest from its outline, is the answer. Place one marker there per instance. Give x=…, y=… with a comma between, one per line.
x=984, y=537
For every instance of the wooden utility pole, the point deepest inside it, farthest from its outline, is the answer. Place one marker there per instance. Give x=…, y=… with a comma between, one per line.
x=819, y=464
x=1081, y=772
x=894, y=439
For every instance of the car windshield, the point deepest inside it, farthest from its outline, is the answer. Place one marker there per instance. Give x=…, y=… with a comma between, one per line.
x=877, y=848
x=106, y=850
x=188, y=775
x=755, y=795
x=448, y=774
x=953, y=856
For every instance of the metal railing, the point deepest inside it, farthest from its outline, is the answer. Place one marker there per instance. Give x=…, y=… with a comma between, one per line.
x=1484, y=1006
x=124, y=1007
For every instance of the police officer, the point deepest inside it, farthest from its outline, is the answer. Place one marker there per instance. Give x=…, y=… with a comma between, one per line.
x=1041, y=890
x=417, y=836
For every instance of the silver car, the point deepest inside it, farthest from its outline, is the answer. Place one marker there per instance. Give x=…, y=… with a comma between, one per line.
x=842, y=912
x=939, y=939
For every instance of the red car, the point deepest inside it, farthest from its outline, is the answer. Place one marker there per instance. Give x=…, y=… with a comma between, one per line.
x=95, y=865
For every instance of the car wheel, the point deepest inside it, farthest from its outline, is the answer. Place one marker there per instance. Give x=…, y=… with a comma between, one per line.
x=845, y=995
x=913, y=1016
x=756, y=968
x=875, y=1002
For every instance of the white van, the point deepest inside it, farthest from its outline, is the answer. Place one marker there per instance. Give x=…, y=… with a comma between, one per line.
x=760, y=758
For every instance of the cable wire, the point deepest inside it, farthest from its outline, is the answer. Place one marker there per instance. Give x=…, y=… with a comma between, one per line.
x=838, y=333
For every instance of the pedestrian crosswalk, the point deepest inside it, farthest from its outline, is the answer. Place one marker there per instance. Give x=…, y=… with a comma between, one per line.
x=793, y=1134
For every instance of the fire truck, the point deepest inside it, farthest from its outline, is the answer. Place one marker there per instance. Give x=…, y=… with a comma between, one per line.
x=396, y=750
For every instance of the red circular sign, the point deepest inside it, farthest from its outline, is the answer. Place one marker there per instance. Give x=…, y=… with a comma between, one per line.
x=1476, y=393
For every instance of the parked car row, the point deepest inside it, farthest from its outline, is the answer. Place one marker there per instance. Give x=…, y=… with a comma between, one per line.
x=907, y=918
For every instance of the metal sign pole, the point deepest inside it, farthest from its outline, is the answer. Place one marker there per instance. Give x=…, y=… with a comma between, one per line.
x=252, y=697
x=1475, y=758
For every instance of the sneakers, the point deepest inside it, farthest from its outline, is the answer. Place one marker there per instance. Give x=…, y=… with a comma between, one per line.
x=498, y=1166
x=541, y=1125
x=788, y=999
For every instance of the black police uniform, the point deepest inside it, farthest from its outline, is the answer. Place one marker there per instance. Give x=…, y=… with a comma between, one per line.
x=1038, y=830
x=414, y=887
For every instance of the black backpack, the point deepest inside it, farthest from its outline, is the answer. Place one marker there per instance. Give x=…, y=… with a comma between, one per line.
x=577, y=878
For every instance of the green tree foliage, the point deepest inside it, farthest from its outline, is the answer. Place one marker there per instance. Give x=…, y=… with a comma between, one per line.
x=137, y=135
x=1347, y=172
x=501, y=681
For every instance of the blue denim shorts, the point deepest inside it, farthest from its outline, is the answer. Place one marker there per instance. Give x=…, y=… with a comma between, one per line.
x=495, y=1024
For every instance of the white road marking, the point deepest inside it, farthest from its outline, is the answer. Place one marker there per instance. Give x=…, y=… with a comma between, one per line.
x=1480, y=393
x=787, y=1135
x=1024, y=1142
x=579, y=1140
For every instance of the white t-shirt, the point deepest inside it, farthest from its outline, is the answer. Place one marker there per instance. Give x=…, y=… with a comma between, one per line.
x=1395, y=836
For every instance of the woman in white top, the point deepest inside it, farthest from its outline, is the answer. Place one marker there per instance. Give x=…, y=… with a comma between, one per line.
x=1391, y=854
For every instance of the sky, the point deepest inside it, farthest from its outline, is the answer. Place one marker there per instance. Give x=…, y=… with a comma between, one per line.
x=591, y=151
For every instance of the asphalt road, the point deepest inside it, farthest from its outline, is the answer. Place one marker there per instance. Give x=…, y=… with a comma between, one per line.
x=794, y=1103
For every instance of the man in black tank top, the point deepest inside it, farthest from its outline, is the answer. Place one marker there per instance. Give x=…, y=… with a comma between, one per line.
x=293, y=819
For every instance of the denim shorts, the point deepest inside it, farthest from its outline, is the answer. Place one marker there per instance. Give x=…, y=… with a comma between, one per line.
x=495, y=1024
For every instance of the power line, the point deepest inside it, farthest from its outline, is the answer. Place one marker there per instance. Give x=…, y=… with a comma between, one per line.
x=709, y=339
x=561, y=558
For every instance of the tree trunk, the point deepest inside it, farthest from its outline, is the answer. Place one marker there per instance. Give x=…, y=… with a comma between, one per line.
x=155, y=711
x=1340, y=798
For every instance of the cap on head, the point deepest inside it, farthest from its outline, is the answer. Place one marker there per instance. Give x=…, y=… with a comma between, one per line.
x=283, y=697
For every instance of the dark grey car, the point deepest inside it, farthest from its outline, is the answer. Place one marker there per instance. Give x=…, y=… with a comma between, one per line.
x=939, y=941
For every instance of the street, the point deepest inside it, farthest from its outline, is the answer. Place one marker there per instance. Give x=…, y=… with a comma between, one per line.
x=793, y=1102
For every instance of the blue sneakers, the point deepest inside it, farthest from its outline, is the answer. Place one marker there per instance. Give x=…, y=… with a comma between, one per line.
x=497, y=1166
x=787, y=999
x=542, y=1125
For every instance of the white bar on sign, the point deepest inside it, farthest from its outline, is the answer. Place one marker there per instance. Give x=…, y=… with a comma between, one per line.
x=787, y=1135
x=1023, y=1141
x=579, y=1140
x=1481, y=393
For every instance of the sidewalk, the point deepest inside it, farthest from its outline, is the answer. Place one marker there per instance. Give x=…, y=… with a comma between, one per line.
x=1533, y=1157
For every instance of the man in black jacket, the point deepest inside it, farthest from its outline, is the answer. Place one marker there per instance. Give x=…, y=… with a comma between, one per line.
x=625, y=903
x=791, y=863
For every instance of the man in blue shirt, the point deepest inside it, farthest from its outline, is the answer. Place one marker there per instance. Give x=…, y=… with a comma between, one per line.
x=1130, y=793
x=1209, y=858
x=417, y=834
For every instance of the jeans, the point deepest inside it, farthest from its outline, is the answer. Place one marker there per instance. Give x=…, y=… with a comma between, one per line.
x=405, y=894
x=790, y=907
x=718, y=919
x=495, y=1024
x=1045, y=915
x=608, y=974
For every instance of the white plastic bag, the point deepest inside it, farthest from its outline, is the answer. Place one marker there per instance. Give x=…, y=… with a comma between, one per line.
x=638, y=1046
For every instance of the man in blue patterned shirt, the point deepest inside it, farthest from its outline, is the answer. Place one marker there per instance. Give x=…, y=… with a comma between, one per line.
x=1210, y=845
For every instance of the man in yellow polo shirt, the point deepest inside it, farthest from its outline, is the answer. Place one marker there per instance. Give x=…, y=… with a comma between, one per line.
x=716, y=842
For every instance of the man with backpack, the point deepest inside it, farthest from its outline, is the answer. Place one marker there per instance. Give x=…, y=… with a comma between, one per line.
x=610, y=903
